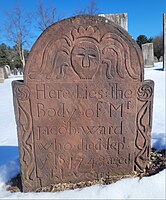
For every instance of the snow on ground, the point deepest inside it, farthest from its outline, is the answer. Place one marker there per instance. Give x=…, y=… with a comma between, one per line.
x=132, y=188
x=159, y=106
x=7, y=118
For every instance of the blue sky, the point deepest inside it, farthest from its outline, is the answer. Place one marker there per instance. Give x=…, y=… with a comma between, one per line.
x=145, y=16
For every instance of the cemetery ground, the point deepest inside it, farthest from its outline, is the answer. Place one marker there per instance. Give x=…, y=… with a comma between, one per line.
x=150, y=186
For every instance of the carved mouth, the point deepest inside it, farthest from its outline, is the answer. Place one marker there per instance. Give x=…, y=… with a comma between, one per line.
x=85, y=66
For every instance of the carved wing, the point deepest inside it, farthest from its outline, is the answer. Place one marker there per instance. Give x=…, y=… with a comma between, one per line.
x=116, y=56
x=54, y=59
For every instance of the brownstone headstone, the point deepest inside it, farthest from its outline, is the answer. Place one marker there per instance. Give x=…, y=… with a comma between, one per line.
x=83, y=111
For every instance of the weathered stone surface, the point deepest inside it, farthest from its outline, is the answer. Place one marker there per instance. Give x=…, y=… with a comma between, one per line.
x=84, y=110
x=1, y=75
x=120, y=19
x=164, y=31
x=148, y=54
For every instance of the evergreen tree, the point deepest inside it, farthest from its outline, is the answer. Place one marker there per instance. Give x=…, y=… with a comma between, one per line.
x=142, y=39
x=3, y=55
x=9, y=56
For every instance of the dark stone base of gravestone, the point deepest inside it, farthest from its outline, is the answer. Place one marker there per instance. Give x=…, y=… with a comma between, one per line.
x=84, y=111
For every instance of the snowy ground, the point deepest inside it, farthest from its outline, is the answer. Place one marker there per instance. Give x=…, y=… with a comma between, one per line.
x=132, y=188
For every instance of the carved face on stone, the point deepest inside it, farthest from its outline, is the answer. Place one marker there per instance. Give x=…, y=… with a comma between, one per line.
x=85, y=59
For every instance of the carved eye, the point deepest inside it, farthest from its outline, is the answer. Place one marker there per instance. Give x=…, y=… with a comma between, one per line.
x=80, y=55
x=92, y=56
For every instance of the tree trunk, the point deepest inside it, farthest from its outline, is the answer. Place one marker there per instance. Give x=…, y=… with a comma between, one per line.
x=23, y=58
x=21, y=54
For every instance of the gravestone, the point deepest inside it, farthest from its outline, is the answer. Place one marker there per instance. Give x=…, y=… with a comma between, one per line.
x=83, y=111
x=164, y=32
x=161, y=59
x=20, y=71
x=148, y=54
x=1, y=75
x=5, y=71
x=156, y=59
x=8, y=70
x=15, y=71
x=120, y=19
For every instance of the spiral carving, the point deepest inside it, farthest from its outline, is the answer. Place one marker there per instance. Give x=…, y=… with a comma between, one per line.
x=22, y=92
x=144, y=92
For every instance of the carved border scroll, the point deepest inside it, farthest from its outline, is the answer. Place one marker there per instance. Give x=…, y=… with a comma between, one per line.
x=144, y=125
x=21, y=97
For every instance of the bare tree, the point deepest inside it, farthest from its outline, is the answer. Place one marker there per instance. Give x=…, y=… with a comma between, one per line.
x=17, y=30
x=158, y=46
x=46, y=16
x=91, y=9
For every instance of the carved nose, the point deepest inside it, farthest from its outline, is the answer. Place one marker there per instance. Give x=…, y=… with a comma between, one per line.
x=86, y=62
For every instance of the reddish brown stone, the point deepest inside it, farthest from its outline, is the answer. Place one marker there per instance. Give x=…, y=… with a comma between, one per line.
x=84, y=111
